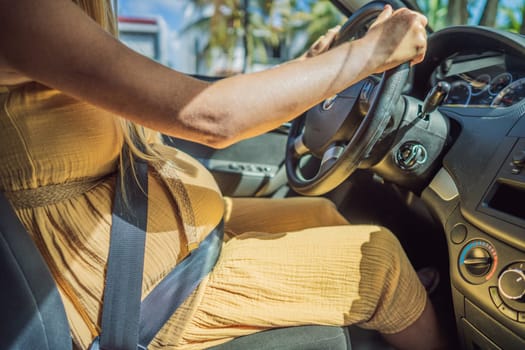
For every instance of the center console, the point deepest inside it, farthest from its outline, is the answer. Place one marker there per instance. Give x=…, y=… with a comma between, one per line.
x=486, y=241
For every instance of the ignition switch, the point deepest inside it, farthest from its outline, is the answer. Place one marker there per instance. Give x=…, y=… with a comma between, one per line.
x=411, y=155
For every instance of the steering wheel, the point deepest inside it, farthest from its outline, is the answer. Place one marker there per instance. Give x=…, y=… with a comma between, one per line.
x=333, y=139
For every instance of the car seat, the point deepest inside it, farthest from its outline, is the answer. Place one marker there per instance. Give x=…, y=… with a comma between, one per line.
x=34, y=316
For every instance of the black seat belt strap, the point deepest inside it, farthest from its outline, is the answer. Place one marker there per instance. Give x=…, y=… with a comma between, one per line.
x=128, y=324
x=171, y=292
x=122, y=293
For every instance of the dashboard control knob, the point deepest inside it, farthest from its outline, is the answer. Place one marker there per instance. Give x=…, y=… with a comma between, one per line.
x=511, y=284
x=478, y=261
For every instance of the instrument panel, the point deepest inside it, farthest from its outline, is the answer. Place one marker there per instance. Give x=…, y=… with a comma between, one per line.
x=489, y=79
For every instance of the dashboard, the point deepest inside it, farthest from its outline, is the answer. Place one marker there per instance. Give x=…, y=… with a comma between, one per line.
x=478, y=194
x=488, y=79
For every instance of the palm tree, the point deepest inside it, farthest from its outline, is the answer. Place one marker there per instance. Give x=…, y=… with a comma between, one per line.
x=436, y=12
x=263, y=28
x=494, y=13
x=488, y=17
x=322, y=16
x=510, y=19
x=457, y=12
x=220, y=27
x=259, y=26
x=230, y=24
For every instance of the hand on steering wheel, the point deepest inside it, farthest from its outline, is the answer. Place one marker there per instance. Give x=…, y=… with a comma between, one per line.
x=340, y=133
x=397, y=36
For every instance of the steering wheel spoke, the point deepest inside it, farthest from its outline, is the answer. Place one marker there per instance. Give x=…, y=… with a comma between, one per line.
x=330, y=156
x=300, y=149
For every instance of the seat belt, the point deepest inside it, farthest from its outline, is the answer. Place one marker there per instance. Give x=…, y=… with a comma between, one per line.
x=123, y=289
x=126, y=323
x=171, y=292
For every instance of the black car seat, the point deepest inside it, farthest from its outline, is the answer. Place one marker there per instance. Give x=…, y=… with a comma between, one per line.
x=34, y=316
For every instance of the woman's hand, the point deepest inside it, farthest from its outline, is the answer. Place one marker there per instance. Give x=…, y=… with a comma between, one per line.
x=396, y=37
x=322, y=44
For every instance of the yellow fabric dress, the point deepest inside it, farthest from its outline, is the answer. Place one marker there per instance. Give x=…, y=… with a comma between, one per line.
x=283, y=263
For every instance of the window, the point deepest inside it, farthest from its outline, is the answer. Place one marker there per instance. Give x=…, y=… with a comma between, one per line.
x=502, y=14
x=226, y=37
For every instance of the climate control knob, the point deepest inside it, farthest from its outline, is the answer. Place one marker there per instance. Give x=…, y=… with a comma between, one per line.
x=511, y=284
x=478, y=261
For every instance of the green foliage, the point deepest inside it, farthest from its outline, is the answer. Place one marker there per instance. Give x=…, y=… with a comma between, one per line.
x=260, y=26
x=436, y=12
x=323, y=16
x=510, y=20
x=509, y=14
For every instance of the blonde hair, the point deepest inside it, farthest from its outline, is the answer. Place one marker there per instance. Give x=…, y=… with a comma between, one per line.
x=101, y=11
x=138, y=138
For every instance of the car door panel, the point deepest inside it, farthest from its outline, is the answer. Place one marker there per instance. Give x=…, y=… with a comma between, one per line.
x=253, y=167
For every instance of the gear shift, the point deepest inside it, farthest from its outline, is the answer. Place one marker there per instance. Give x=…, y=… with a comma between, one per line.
x=434, y=98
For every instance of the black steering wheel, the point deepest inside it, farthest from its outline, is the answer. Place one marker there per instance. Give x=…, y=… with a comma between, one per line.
x=333, y=139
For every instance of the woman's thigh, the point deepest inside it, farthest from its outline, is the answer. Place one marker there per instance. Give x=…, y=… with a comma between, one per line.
x=279, y=215
x=332, y=275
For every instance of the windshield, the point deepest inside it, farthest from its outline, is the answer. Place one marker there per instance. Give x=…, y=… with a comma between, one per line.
x=502, y=14
x=222, y=38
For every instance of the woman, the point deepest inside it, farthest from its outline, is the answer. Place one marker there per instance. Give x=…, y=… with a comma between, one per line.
x=73, y=95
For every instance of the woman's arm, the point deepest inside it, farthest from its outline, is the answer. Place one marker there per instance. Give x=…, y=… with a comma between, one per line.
x=55, y=43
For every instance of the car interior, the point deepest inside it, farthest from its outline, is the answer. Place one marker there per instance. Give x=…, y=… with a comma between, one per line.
x=434, y=152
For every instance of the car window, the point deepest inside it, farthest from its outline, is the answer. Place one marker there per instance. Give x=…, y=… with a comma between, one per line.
x=223, y=38
x=502, y=14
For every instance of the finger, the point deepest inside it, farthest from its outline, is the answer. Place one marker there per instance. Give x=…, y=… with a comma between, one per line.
x=331, y=35
x=387, y=12
x=423, y=19
x=324, y=45
x=318, y=41
x=420, y=55
x=417, y=59
x=324, y=42
x=334, y=30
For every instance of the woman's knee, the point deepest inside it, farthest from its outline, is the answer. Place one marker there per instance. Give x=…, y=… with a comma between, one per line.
x=390, y=282
x=381, y=265
x=385, y=244
x=327, y=211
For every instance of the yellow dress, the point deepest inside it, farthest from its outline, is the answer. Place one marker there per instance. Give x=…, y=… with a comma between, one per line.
x=283, y=263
